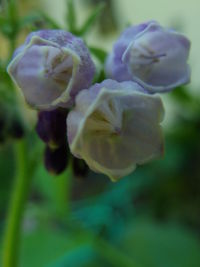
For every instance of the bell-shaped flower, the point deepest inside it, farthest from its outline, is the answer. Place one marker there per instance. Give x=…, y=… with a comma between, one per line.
x=51, y=68
x=115, y=126
x=151, y=55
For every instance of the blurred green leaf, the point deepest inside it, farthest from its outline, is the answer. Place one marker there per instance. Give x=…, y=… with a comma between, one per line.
x=54, y=247
x=7, y=30
x=29, y=20
x=99, y=76
x=6, y=26
x=12, y=8
x=2, y=21
x=81, y=256
x=99, y=53
x=51, y=22
x=46, y=244
x=152, y=244
x=91, y=19
x=181, y=93
x=71, y=16
x=11, y=28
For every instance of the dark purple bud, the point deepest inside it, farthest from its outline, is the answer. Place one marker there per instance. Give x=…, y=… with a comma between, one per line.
x=56, y=159
x=80, y=168
x=51, y=127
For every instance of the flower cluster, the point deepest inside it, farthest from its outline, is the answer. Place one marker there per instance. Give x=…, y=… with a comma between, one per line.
x=113, y=125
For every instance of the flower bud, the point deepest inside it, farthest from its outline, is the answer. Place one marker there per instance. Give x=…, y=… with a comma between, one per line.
x=56, y=159
x=115, y=126
x=51, y=67
x=51, y=127
x=80, y=168
x=151, y=55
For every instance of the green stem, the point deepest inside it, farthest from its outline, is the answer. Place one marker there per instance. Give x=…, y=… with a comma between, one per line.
x=16, y=208
x=63, y=192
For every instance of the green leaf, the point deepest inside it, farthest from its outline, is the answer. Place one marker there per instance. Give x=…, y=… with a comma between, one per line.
x=161, y=245
x=91, y=19
x=71, y=16
x=29, y=20
x=13, y=18
x=182, y=94
x=51, y=22
x=80, y=256
x=52, y=246
x=99, y=77
x=47, y=244
x=5, y=26
x=12, y=11
x=99, y=53
x=2, y=21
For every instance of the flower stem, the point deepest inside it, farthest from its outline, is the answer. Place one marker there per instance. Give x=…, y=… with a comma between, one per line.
x=62, y=192
x=16, y=208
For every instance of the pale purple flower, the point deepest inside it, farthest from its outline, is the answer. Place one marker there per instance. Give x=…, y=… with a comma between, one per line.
x=154, y=56
x=51, y=68
x=115, y=126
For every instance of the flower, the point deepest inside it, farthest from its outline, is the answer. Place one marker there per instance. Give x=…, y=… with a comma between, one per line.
x=51, y=68
x=151, y=55
x=115, y=126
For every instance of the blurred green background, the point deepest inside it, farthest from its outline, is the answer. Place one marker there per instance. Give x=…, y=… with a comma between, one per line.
x=150, y=218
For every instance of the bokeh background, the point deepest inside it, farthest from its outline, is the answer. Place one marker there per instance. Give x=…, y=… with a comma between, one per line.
x=150, y=218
